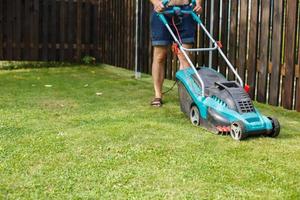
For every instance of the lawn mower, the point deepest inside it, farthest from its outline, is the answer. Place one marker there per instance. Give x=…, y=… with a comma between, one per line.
x=209, y=99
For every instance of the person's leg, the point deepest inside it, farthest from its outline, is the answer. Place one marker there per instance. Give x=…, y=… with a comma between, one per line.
x=187, y=30
x=183, y=61
x=158, y=69
x=161, y=40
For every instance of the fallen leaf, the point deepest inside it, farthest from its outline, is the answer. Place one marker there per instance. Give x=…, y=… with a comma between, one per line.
x=61, y=133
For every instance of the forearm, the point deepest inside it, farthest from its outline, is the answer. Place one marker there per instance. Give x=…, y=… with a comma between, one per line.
x=154, y=1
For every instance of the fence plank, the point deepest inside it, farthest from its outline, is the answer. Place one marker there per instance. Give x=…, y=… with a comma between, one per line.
x=264, y=52
x=140, y=36
x=96, y=39
x=133, y=25
x=288, y=81
x=112, y=34
x=147, y=39
x=83, y=26
x=70, y=29
x=276, y=53
x=18, y=31
x=298, y=80
x=62, y=23
x=242, y=50
x=87, y=28
x=9, y=29
x=253, y=37
x=101, y=33
x=78, y=30
x=125, y=28
x=105, y=33
x=1, y=32
x=126, y=24
x=200, y=39
x=233, y=36
x=12, y=23
x=27, y=27
x=45, y=31
x=216, y=33
x=31, y=27
x=119, y=30
x=35, y=30
x=207, y=25
x=224, y=36
x=52, y=31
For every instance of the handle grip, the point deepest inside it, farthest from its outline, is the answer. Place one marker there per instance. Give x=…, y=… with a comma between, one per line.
x=165, y=2
x=193, y=3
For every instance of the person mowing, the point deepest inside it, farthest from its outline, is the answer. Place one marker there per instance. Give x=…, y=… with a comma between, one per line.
x=162, y=40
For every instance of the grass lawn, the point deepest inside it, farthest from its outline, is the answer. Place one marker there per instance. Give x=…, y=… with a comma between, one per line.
x=60, y=140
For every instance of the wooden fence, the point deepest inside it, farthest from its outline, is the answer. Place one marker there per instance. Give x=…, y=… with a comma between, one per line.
x=260, y=37
x=67, y=30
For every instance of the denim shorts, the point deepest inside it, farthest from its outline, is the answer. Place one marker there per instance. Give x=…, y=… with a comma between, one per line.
x=160, y=35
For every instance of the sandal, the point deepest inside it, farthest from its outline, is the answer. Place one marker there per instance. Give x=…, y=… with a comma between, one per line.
x=156, y=102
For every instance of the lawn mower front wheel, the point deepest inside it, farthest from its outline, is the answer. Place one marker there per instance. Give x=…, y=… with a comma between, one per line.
x=195, y=115
x=275, y=127
x=237, y=131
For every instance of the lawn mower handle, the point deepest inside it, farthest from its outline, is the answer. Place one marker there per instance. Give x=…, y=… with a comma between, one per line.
x=166, y=2
x=178, y=11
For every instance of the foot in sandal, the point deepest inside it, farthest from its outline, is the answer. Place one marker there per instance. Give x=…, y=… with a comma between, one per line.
x=156, y=102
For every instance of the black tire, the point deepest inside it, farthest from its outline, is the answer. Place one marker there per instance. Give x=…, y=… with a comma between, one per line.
x=195, y=115
x=276, y=127
x=238, y=131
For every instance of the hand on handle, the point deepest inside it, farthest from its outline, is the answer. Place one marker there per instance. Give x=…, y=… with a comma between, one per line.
x=196, y=4
x=159, y=6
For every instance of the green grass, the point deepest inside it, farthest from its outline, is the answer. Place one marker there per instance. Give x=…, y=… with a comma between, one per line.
x=65, y=142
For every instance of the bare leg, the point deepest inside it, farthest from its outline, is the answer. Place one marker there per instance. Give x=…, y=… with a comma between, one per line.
x=158, y=71
x=183, y=62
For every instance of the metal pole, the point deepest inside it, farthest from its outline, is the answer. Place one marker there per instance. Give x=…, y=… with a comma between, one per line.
x=212, y=9
x=137, y=39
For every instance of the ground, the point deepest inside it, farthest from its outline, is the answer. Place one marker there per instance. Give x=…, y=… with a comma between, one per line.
x=89, y=132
